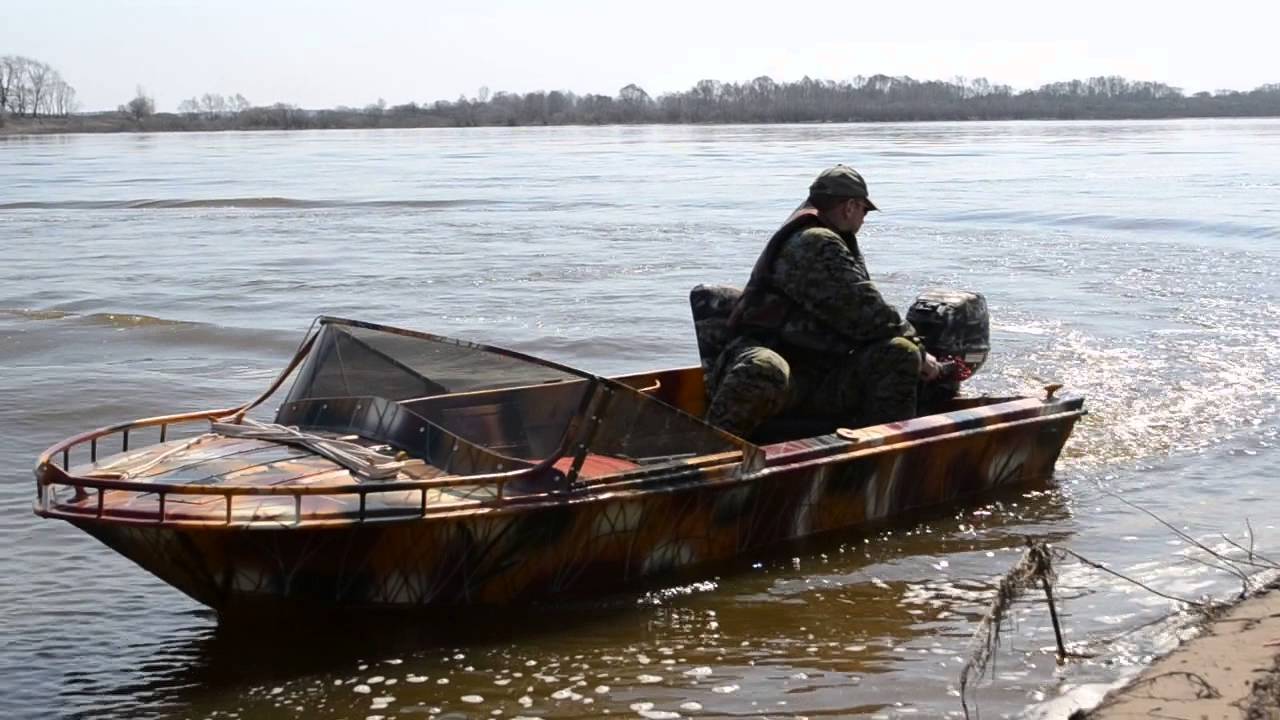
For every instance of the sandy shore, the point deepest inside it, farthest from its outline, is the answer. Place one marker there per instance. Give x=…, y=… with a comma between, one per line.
x=1232, y=670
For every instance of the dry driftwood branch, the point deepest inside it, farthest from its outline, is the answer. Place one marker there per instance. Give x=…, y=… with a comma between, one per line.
x=1250, y=526
x=1202, y=687
x=1262, y=560
x=1035, y=568
x=1126, y=578
x=1230, y=562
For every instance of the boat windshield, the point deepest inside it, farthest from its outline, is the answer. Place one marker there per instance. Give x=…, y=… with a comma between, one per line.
x=436, y=397
x=351, y=358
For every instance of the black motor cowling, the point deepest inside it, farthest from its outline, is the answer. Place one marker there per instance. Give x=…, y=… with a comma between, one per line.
x=955, y=329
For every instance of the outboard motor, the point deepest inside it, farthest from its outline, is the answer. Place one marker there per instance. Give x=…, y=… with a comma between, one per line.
x=955, y=329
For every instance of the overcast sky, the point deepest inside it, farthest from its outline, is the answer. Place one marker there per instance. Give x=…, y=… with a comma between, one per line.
x=324, y=53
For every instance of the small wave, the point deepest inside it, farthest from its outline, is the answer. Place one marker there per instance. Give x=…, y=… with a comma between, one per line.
x=1023, y=329
x=51, y=336
x=1114, y=222
x=34, y=314
x=1187, y=152
x=115, y=320
x=927, y=154
x=130, y=320
x=242, y=202
x=107, y=319
x=98, y=319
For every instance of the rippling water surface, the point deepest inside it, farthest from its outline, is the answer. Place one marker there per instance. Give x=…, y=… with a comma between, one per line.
x=1134, y=261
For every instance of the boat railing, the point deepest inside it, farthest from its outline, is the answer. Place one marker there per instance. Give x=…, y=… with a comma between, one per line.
x=95, y=439
x=54, y=469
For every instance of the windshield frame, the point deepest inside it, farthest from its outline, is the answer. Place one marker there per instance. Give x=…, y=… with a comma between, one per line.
x=581, y=418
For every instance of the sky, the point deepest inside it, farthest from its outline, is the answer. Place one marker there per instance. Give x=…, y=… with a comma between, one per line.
x=326, y=53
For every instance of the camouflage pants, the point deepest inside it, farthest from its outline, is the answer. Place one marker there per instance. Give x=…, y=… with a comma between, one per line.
x=874, y=384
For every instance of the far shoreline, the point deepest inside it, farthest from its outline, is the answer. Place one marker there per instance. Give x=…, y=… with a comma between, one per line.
x=760, y=101
x=42, y=127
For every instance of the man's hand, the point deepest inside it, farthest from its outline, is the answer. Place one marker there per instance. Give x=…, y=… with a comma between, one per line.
x=929, y=367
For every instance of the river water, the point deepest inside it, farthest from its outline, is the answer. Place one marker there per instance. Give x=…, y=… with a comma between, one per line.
x=1133, y=261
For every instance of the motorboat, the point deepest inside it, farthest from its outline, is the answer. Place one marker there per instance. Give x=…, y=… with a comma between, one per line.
x=403, y=469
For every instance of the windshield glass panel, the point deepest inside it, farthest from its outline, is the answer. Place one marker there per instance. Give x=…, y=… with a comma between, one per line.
x=388, y=384
x=485, y=396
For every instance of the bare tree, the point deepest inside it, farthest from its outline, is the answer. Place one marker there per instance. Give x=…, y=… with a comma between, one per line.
x=39, y=77
x=213, y=104
x=141, y=106
x=47, y=104
x=20, y=99
x=31, y=87
x=36, y=80
x=63, y=98
x=11, y=72
x=634, y=95
x=18, y=94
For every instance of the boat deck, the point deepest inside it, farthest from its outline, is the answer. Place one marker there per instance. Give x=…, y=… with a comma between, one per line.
x=221, y=480
x=212, y=480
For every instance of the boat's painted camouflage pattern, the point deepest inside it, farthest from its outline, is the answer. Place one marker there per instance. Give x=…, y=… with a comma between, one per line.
x=263, y=524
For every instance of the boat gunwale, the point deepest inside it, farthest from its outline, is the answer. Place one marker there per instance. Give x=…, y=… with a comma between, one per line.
x=709, y=470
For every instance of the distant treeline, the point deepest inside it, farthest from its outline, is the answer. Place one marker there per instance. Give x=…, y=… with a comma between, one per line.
x=878, y=98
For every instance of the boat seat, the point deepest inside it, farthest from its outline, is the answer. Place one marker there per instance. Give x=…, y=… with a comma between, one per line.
x=711, y=306
x=527, y=422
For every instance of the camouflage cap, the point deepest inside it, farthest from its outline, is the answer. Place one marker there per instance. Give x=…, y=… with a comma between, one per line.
x=842, y=181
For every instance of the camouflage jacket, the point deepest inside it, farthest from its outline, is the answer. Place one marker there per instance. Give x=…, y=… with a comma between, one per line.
x=810, y=291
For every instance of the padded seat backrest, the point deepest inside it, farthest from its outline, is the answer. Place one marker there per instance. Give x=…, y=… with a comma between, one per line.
x=712, y=305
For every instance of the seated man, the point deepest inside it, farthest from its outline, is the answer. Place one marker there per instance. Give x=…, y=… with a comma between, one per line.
x=811, y=335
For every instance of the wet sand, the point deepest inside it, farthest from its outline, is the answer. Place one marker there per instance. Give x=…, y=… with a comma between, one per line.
x=1232, y=670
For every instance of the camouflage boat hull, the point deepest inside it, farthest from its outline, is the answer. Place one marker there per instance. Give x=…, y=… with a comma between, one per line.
x=599, y=542
x=242, y=525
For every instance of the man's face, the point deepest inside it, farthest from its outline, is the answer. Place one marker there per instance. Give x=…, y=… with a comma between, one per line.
x=851, y=214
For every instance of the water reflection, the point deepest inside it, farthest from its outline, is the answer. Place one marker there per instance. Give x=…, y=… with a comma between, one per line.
x=804, y=624
x=36, y=140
